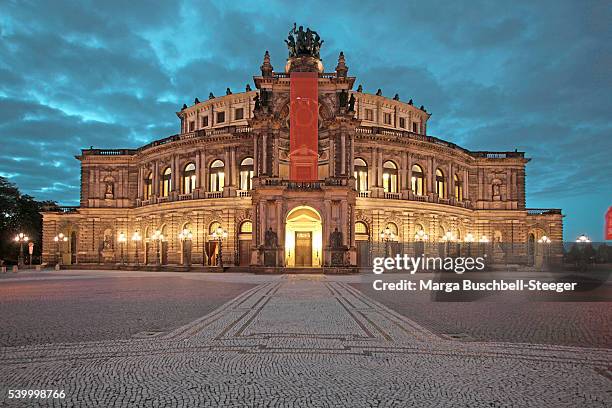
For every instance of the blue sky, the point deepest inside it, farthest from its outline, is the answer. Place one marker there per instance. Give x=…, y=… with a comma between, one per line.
x=534, y=76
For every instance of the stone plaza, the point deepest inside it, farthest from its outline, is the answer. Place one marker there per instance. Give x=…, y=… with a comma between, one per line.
x=111, y=338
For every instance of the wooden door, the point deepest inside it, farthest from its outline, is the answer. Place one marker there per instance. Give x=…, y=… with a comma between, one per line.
x=303, y=248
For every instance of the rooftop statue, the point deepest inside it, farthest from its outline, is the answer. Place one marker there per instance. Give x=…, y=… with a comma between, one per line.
x=303, y=43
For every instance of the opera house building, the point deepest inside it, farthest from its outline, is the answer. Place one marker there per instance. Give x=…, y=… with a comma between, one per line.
x=303, y=169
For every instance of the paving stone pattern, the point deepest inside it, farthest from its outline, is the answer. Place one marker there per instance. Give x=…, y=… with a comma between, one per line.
x=301, y=341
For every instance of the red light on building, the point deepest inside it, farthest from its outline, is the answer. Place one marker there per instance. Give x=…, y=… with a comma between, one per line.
x=609, y=224
x=303, y=137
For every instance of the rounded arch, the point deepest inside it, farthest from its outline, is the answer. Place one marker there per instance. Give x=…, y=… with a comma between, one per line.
x=417, y=180
x=361, y=174
x=303, y=237
x=246, y=227
x=189, y=178
x=441, y=184
x=246, y=173
x=390, y=177
x=166, y=182
x=217, y=175
x=458, y=191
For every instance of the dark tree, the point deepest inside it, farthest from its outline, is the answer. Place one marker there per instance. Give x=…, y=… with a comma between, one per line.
x=19, y=213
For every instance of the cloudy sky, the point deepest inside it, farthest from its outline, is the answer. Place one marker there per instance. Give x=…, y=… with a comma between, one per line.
x=535, y=77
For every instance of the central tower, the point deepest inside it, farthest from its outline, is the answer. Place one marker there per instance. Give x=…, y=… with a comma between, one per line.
x=303, y=67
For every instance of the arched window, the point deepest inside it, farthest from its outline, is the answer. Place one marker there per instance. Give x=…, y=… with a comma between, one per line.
x=390, y=177
x=246, y=227
x=166, y=182
x=440, y=184
x=458, y=188
x=361, y=174
x=217, y=175
x=418, y=180
x=246, y=174
x=361, y=231
x=148, y=186
x=189, y=178
x=391, y=228
x=213, y=227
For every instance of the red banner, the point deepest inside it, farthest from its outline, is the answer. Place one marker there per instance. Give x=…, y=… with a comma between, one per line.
x=609, y=224
x=304, y=137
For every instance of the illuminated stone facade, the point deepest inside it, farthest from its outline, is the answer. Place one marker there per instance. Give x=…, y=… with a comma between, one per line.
x=229, y=167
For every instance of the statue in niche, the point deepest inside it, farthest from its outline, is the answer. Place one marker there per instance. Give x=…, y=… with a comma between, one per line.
x=335, y=239
x=109, y=190
x=257, y=102
x=271, y=239
x=108, y=242
x=352, y=103
x=496, y=190
x=343, y=98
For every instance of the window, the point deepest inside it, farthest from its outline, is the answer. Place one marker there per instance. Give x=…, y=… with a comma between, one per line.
x=191, y=125
x=417, y=180
x=246, y=227
x=239, y=113
x=415, y=127
x=361, y=175
x=361, y=231
x=166, y=182
x=390, y=177
x=387, y=118
x=440, y=184
x=205, y=121
x=217, y=175
x=220, y=117
x=148, y=186
x=369, y=114
x=246, y=174
x=213, y=227
x=189, y=178
x=458, y=188
x=402, y=123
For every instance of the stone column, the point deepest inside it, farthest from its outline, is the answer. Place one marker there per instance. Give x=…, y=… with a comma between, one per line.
x=264, y=154
x=343, y=153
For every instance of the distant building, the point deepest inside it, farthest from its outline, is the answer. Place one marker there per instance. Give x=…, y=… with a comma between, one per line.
x=230, y=169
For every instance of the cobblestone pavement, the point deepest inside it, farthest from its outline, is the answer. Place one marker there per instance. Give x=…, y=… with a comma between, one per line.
x=74, y=308
x=507, y=317
x=308, y=341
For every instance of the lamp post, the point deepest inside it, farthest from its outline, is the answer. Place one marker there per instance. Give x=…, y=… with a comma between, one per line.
x=546, y=242
x=219, y=235
x=136, y=238
x=122, y=240
x=21, y=238
x=447, y=239
x=158, y=237
x=583, y=239
x=59, y=238
x=185, y=235
x=387, y=236
x=469, y=238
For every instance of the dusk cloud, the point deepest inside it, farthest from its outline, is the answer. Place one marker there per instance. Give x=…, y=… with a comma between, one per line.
x=530, y=76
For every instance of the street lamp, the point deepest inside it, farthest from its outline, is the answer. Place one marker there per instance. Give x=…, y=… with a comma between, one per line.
x=59, y=238
x=122, y=240
x=544, y=240
x=158, y=237
x=387, y=236
x=219, y=234
x=583, y=239
x=483, y=239
x=185, y=235
x=21, y=238
x=136, y=238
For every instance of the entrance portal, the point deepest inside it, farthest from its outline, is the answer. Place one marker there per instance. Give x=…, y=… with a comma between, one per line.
x=303, y=238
